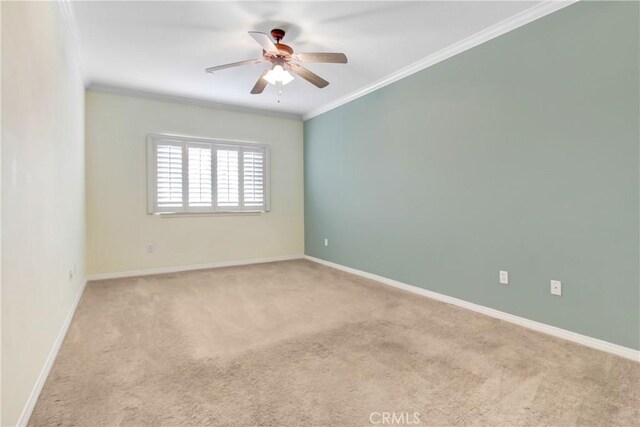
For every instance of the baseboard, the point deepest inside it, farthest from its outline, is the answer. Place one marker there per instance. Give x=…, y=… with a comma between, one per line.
x=177, y=269
x=598, y=344
x=44, y=373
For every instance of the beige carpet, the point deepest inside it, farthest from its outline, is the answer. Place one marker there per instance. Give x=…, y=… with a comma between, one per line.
x=295, y=343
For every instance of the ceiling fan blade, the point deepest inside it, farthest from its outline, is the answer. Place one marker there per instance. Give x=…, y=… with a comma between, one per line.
x=264, y=41
x=308, y=75
x=333, y=58
x=234, y=64
x=258, y=88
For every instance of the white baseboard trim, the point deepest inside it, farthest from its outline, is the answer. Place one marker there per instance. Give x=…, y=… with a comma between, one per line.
x=44, y=373
x=616, y=349
x=46, y=369
x=177, y=269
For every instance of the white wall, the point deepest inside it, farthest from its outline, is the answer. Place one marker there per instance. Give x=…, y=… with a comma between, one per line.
x=119, y=227
x=43, y=225
x=0, y=216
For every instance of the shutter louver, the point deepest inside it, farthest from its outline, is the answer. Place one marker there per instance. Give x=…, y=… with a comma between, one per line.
x=227, y=178
x=253, y=173
x=169, y=187
x=199, y=173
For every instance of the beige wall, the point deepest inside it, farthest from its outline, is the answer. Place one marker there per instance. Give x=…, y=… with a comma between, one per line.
x=43, y=226
x=119, y=228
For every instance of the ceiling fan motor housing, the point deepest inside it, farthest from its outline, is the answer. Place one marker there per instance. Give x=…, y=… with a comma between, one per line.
x=284, y=51
x=284, y=48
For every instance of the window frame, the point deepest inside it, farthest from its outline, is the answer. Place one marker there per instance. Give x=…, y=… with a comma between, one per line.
x=184, y=141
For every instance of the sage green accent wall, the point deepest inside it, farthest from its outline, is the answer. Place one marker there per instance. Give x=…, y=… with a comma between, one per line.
x=520, y=154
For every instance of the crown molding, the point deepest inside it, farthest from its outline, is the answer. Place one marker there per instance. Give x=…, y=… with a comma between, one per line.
x=117, y=90
x=533, y=13
x=71, y=25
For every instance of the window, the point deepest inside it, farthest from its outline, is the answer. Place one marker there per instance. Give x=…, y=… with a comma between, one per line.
x=191, y=175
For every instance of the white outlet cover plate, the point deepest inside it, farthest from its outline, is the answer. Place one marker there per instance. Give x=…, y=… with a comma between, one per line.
x=556, y=287
x=504, y=277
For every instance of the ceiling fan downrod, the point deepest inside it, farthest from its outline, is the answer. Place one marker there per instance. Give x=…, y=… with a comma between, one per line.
x=277, y=34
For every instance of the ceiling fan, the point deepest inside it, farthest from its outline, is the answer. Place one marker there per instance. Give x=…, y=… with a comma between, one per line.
x=283, y=62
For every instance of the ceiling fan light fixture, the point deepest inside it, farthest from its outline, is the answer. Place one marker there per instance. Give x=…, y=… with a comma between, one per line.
x=278, y=75
x=284, y=64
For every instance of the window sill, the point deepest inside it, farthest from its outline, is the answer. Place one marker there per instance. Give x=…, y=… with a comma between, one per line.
x=205, y=214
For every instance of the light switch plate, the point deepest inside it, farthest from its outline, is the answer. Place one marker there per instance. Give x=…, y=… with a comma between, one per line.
x=556, y=287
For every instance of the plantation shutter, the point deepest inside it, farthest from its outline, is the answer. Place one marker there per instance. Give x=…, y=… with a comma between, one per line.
x=200, y=187
x=254, y=178
x=228, y=178
x=191, y=175
x=169, y=166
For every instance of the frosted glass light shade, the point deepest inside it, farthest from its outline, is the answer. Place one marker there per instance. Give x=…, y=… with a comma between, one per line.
x=278, y=74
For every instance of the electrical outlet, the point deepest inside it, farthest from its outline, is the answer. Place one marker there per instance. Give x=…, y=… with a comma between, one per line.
x=556, y=287
x=326, y=241
x=151, y=248
x=504, y=277
x=70, y=274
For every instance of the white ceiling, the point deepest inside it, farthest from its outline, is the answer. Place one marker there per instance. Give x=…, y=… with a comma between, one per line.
x=164, y=47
